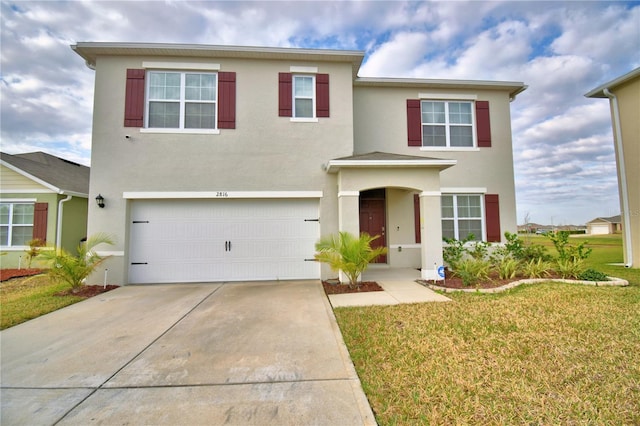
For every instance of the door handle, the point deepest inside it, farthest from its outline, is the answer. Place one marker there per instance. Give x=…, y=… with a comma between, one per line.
x=227, y=246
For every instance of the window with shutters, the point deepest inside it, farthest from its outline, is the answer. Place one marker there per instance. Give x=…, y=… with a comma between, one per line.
x=462, y=214
x=181, y=100
x=447, y=124
x=303, y=97
x=16, y=224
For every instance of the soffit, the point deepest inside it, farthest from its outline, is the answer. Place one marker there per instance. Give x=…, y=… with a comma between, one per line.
x=512, y=87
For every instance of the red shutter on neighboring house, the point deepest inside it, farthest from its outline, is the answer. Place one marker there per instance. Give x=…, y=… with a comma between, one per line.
x=322, y=95
x=483, y=126
x=40, y=212
x=226, y=100
x=492, y=216
x=134, y=99
x=416, y=217
x=284, y=94
x=414, y=122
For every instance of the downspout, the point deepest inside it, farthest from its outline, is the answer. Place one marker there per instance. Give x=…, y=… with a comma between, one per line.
x=59, y=227
x=624, y=193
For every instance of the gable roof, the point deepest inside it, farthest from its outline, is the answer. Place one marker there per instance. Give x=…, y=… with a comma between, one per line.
x=60, y=175
x=598, y=92
x=612, y=219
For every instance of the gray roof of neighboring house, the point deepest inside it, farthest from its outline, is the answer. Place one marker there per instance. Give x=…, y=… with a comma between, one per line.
x=62, y=175
x=612, y=219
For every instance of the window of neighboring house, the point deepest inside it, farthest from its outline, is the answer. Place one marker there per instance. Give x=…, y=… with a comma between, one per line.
x=181, y=100
x=462, y=215
x=304, y=96
x=447, y=123
x=16, y=224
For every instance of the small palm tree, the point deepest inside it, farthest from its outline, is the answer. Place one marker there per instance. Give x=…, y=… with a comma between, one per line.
x=348, y=253
x=73, y=270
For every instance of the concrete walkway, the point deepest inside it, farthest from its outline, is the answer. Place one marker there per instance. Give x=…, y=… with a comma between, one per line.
x=399, y=287
x=241, y=354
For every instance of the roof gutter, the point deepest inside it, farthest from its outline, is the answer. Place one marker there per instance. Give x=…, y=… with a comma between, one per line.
x=624, y=191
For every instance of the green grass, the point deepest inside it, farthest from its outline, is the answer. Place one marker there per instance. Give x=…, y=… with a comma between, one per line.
x=22, y=299
x=539, y=354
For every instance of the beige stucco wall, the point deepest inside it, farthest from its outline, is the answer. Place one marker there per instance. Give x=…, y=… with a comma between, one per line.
x=628, y=95
x=380, y=124
x=264, y=153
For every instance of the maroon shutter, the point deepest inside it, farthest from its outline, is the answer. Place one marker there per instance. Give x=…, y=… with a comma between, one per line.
x=134, y=99
x=40, y=212
x=226, y=100
x=483, y=126
x=492, y=217
x=414, y=122
x=284, y=94
x=416, y=217
x=322, y=95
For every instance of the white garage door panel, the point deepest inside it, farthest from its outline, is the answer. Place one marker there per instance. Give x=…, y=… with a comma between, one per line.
x=222, y=240
x=599, y=229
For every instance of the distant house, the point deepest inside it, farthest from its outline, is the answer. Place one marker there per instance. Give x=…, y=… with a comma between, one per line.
x=605, y=225
x=624, y=99
x=44, y=197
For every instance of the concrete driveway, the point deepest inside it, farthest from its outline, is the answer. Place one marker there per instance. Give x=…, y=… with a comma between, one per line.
x=243, y=353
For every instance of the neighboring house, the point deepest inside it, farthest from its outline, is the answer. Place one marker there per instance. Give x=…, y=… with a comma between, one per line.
x=624, y=99
x=222, y=163
x=41, y=197
x=605, y=225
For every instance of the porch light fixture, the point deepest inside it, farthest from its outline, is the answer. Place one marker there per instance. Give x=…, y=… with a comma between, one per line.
x=100, y=201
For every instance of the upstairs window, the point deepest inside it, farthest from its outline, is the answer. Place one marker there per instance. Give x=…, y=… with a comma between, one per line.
x=304, y=96
x=447, y=124
x=181, y=100
x=16, y=224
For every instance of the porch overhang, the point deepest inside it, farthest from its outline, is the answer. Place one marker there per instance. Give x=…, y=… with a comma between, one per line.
x=387, y=160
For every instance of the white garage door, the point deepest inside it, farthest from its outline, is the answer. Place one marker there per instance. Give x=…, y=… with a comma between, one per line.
x=222, y=240
x=599, y=229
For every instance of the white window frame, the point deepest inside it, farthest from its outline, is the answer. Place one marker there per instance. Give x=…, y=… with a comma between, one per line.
x=456, y=218
x=182, y=101
x=314, y=117
x=448, y=125
x=11, y=225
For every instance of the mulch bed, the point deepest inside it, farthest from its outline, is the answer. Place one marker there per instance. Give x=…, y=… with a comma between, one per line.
x=87, y=291
x=330, y=288
x=494, y=281
x=7, y=274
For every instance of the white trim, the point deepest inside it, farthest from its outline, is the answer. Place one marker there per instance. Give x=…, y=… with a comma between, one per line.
x=219, y=195
x=453, y=148
x=303, y=120
x=180, y=66
x=348, y=194
x=309, y=70
x=183, y=131
x=27, y=191
x=430, y=194
x=462, y=190
x=18, y=200
x=109, y=253
x=453, y=96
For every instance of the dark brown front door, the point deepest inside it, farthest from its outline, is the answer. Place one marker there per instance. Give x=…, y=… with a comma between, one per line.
x=372, y=221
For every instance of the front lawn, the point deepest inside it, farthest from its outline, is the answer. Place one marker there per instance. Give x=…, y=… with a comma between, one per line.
x=22, y=299
x=539, y=354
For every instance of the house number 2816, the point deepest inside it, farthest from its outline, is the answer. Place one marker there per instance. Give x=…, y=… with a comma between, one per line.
x=222, y=194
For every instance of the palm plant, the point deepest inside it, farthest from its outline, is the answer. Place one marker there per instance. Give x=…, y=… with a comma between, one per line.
x=348, y=253
x=73, y=270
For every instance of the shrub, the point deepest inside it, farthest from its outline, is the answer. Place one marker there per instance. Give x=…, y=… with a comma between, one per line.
x=34, y=250
x=508, y=267
x=454, y=250
x=73, y=270
x=347, y=253
x=570, y=267
x=536, y=268
x=593, y=275
x=567, y=250
x=472, y=271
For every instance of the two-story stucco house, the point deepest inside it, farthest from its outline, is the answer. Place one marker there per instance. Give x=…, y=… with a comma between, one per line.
x=222, y=163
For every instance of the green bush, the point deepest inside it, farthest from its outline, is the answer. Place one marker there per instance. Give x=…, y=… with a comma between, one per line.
x=347, y=253
x=472, y=271
x=593, y=275
x=508, y=268
x=570, y=267
x=454, y=250
x=536, y=268
x=73, y=270
x=565, y=249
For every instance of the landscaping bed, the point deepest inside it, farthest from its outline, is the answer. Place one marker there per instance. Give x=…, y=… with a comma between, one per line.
x=7, y=274
x=337, y=288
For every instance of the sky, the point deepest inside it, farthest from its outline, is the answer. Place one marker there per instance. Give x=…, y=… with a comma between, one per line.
x=564, y=160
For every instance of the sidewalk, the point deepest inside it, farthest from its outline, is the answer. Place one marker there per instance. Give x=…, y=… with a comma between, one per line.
x=399, y=287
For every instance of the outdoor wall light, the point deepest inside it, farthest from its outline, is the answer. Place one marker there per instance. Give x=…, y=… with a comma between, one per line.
x=100, y=201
